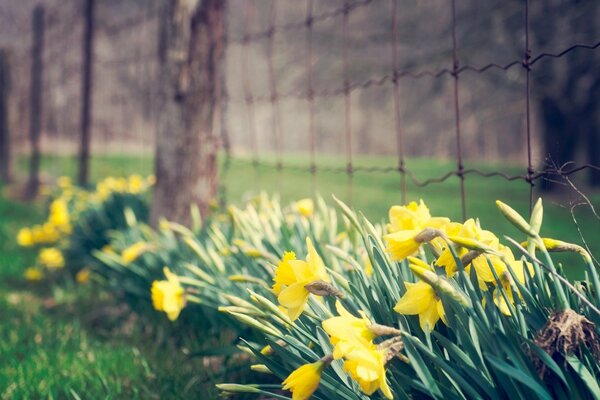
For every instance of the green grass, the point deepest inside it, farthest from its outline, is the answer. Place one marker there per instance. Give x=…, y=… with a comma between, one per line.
x=52, y=348
x=61, y=340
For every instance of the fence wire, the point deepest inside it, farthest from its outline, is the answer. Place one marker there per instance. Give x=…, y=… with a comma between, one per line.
x=64, y=31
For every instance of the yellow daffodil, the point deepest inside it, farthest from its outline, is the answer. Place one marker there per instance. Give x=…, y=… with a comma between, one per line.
x=135, y=184
x=402, y=244
x=305, y=207
x=303, y=381
x=33, y=274
x=51, y=257
x=64, y=182
x=421, y=299
x=414, y=216
x=83, y=276
x=168, y=295
x=471, y=230
x=367, y=367
x=293, y=275
x=406, y=224
x=368, y=266
x=59, y=214
x=132, y=252
x=25, y=237
x=518, y=268
x=348, y=332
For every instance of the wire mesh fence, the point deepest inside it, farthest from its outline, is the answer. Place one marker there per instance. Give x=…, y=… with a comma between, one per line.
x=299, y=75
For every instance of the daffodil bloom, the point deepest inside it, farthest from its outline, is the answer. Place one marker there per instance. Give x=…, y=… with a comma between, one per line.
x=25, y=237
x=33, y=274
x=303, y=381
x=132, y=252
x=168, y=295
x=348, y=332
x=135, y=184
x=518, y=268
x=51, y=257
x=305, y=207
x=366, y=365
x=368, y=266
x=293, y=275
x=83, y=276
x=421, y=299
x=402, y=244
x=406, y=223
x=471, y=230
x=59, y=214
x=414, y=216
x=64, y=182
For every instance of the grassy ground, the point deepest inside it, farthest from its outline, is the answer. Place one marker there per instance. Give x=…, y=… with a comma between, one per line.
x=63, y=341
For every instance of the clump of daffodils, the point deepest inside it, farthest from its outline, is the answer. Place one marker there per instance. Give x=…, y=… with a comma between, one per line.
x=68, y=202
x=420, y=307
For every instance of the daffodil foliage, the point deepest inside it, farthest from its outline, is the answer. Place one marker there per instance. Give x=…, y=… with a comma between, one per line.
x=335, y=306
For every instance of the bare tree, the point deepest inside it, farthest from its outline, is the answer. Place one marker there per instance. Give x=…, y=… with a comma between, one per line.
x=191, y=57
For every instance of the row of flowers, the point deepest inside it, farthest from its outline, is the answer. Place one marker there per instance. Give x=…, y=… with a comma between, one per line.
x=339, y=307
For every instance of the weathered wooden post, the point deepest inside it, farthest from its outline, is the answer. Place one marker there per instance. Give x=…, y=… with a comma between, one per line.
x=191, y=57
x=35, y=97
x=86, y=91
x=5, y=143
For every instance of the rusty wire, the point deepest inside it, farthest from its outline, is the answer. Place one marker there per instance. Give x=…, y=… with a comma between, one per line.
x=311, y=94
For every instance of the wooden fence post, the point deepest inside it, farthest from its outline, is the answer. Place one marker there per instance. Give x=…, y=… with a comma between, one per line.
x=5, y=142
x=86, y=92
x=35, y=96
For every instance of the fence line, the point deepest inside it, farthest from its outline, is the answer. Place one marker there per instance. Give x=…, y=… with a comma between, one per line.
x=309, y=92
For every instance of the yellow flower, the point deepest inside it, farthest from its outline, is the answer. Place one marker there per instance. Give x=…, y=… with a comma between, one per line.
x=83, y=276
x=132, y=252
x=303, y=381
x=25, y=237
x=367, y=367
x=59, y=213
x=136, y=184
x=33, y=274
x=51, y=257
x=368, y=266
x=413, y=217
x=305, y=207
x=402, y=244
x=406, y=222
x=348, y=332
x=518, y=267
x=168, y=295
x=64, y=182
x=293, y=275
x=471, y=230
x=107, y=248
x=420, y=299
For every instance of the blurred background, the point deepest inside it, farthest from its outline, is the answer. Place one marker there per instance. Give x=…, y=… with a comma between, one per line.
x=376, y=101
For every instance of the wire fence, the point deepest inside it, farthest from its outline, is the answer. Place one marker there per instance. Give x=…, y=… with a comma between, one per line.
x=138, y=66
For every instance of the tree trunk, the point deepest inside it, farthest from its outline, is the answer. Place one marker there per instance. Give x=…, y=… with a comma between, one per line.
x=35, y=110
x=5, y=82
x=86, y=93
x=191, y=55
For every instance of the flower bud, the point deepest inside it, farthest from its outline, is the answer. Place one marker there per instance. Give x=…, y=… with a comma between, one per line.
x=516, y=219
x=262, y=368
x=440, y=284
x=237, y=388
x=537, y=215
